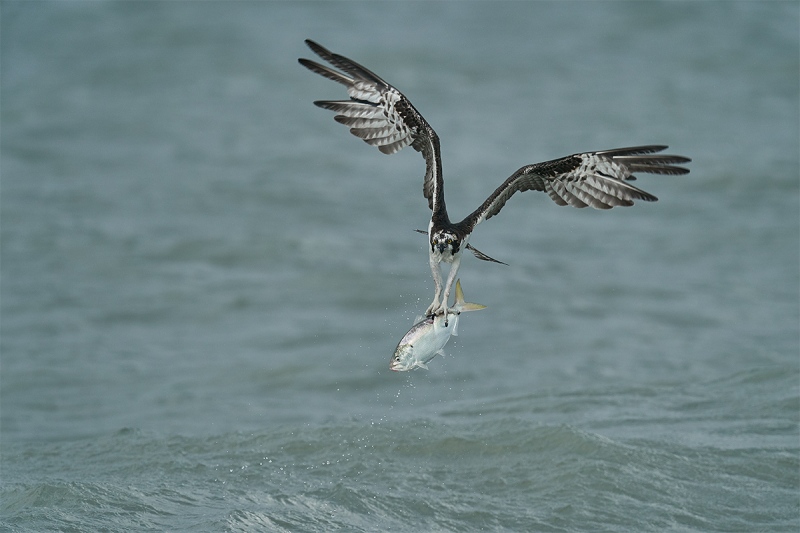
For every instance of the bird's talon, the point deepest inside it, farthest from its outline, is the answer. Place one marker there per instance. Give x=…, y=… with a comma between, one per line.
x=434, y=310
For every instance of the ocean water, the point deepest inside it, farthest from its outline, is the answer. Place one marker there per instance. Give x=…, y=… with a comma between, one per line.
x=203, y=276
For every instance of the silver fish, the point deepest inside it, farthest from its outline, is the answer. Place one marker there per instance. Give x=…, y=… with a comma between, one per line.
x=427, y=337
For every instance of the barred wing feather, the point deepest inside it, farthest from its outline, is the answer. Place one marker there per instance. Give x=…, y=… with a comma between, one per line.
x=380, y=115
x=596, y=179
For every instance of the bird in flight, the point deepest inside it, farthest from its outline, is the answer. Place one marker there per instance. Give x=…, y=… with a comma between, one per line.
x=382, y=116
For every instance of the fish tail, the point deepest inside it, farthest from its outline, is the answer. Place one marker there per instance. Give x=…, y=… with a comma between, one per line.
x=461, y=305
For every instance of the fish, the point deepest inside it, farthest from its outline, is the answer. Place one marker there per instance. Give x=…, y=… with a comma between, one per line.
x=426, y=339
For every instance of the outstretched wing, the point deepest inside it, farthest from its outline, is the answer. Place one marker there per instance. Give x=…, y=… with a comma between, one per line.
x=597, y=179
x=380, y=115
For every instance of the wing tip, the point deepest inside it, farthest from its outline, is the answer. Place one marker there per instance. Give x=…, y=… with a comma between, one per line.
x=317, y=48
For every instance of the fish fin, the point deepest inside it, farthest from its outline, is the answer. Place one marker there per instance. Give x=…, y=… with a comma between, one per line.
x=423, y=365
x=459, y=293
x=460, y=305
x=472, y=307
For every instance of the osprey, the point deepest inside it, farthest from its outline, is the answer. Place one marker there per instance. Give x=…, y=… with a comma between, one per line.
x=382, y=116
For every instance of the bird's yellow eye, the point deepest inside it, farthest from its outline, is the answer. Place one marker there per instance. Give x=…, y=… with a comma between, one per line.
x=449, y=241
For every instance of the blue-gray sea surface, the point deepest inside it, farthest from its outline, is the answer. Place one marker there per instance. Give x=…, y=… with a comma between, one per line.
x=204, y=276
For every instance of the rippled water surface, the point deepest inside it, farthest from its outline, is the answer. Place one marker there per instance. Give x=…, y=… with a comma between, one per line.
x=204, y=276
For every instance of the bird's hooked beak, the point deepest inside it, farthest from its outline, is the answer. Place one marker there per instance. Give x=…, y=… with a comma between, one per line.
x=441, y=247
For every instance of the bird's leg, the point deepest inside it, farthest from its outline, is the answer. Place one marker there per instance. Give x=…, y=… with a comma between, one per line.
x=450, y=277
x=435, y=307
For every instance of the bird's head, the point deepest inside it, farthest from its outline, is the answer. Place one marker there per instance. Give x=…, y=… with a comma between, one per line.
x=445, y=241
